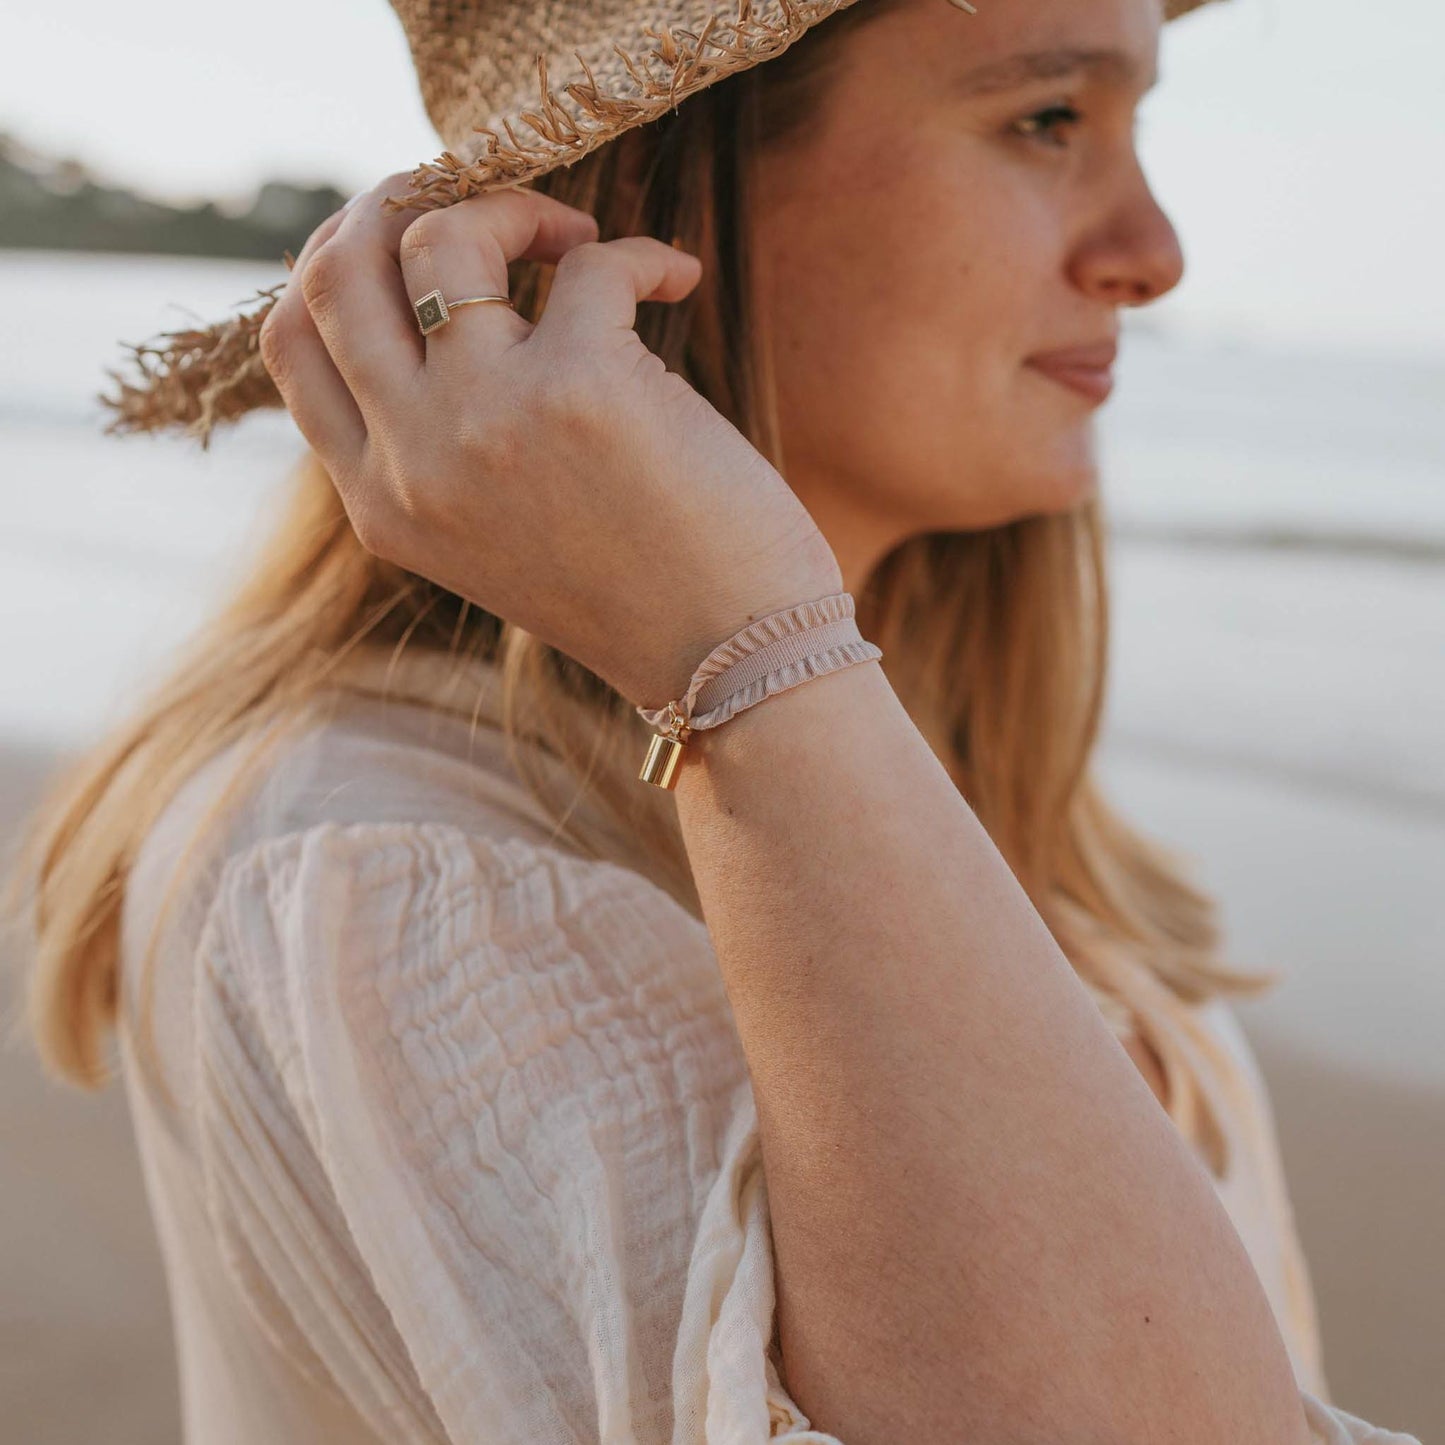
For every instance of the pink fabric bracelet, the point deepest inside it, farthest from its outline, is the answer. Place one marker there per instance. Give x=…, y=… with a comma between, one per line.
x=771, y=655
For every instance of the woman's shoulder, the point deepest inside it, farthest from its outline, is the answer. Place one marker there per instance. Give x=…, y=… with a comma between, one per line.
x=381, y=780
x=380, y=753
x=384, y=846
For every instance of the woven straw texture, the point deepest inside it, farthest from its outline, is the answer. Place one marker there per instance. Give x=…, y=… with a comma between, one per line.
x=514, y=88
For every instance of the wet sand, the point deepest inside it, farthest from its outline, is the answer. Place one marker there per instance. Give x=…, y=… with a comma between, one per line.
x=85, y=1333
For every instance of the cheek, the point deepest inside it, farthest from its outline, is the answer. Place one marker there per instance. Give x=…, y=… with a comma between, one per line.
x=852, y=292
x=943, y=294
x=926, y=339
x=898, y=350
x=901, y=319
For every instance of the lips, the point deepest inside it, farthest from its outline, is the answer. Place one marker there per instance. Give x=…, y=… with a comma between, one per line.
x=1085, y=369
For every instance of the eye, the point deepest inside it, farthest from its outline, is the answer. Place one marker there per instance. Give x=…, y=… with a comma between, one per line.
x=1044, y=123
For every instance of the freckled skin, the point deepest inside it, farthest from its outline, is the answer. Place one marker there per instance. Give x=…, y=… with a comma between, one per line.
x=914, y=248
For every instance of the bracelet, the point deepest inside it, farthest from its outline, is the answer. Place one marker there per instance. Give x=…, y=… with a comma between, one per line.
x=769, y=656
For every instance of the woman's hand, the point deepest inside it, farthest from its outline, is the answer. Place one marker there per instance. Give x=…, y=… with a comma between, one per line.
x=557, y=475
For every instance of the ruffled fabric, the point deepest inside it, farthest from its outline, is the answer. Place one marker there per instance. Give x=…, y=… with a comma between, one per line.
x=779, y=651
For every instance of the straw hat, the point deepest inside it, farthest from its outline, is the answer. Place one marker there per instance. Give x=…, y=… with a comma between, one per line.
x=573, y=72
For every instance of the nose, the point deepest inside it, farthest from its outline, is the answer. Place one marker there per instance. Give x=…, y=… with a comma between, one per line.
x=1133, y=257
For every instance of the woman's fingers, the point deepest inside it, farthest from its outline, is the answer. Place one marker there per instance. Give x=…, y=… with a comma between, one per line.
x=464, y=250
x=350, y=290
x=343, y=337
x=599, y=285
x=318, y=399
x=361, y=284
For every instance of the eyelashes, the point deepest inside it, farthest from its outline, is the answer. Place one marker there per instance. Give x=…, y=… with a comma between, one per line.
x=1045, y=124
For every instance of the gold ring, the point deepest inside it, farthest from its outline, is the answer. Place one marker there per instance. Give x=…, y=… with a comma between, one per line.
x=434, y=310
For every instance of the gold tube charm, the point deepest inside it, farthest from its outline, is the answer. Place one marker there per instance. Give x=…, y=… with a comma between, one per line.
x=664, y=752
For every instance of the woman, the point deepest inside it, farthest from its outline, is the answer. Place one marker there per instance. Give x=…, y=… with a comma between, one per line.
x=487, y=1094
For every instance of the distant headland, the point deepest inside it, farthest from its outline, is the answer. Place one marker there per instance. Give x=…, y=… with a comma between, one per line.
x=56, y=203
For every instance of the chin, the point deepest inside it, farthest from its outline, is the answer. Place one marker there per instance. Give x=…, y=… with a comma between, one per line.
x=1071, y=476
x=1058, y=487
x=1079, y=486
x=1011, y=485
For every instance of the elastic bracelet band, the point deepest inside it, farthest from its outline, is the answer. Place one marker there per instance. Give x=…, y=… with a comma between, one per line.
x=769, y=656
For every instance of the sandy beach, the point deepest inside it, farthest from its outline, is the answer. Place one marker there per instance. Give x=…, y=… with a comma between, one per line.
x=1277, y=703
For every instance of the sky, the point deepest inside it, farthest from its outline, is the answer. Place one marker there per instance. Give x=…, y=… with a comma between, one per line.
x=1296, y=144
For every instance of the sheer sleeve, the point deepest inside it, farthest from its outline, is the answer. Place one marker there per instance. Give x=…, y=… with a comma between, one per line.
x=1329, y=1425
x=479, y=1145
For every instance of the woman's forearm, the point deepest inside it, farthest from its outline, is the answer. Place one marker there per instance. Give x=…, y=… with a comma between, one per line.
x=985, y=1226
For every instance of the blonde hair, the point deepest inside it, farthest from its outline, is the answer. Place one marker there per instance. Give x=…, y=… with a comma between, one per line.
x=996, y=642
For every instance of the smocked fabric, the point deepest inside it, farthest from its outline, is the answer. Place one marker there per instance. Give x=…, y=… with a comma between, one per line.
x=465, y=1148
x=779, y=651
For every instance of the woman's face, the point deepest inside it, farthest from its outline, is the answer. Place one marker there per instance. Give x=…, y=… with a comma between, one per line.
x=932, y=231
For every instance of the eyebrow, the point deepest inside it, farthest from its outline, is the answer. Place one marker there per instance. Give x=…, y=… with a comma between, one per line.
x=1115, y=67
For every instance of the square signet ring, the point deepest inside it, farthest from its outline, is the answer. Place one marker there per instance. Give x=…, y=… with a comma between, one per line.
x=433, y=310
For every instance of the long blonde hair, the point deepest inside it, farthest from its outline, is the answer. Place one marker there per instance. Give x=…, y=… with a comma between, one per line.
x=996, y=641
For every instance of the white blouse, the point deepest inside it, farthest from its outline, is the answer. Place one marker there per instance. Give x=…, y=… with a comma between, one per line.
x=465, y=1147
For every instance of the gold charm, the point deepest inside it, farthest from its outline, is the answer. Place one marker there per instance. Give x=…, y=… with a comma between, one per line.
x=664, y=752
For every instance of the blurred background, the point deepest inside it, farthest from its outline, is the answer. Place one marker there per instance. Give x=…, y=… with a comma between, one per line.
x=1274, y=464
